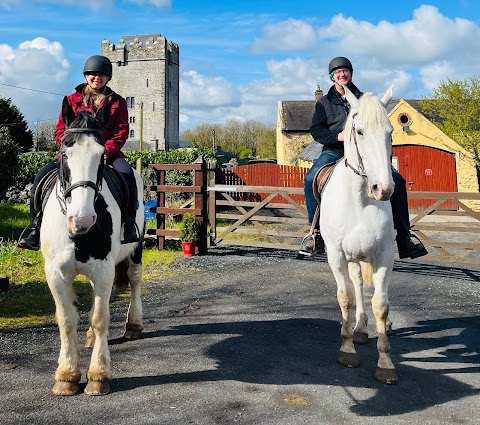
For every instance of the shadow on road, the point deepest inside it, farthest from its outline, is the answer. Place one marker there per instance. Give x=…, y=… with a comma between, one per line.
x=303, y=351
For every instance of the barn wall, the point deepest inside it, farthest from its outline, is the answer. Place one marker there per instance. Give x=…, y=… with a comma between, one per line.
x=423, y=132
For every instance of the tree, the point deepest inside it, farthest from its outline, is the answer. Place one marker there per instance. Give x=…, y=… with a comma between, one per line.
x=43, y=136
x=9, y=158
x=11, y=117
x=455, y=108
x=241, y=138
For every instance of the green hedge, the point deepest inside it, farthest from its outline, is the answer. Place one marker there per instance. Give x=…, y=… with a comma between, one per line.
x=30, y=163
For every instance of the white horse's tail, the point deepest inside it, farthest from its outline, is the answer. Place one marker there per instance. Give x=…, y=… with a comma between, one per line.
x=367, y=273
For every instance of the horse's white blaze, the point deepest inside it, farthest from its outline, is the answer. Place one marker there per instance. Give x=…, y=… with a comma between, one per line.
x=81, y=215
x=357, y=224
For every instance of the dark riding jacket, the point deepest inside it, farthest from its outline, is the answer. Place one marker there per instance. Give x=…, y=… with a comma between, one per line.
x=329, y=118
x=115, y=127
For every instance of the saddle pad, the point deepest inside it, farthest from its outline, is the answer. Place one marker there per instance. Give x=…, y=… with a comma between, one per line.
x=321, y=179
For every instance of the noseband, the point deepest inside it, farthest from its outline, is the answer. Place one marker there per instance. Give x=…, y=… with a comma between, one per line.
x=64, y=176
x=360, y=170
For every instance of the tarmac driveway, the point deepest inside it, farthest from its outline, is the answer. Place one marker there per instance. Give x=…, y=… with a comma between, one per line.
x=251, y=337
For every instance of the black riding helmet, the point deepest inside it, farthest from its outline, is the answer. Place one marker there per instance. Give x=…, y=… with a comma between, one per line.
x=339, y=62
x=98, y=63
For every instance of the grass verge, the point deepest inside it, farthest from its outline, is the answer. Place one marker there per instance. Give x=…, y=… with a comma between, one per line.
x=29, y=302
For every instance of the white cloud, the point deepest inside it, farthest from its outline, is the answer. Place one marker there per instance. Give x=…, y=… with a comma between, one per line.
x=285, y=36
x=199, y=91
x=35, y=66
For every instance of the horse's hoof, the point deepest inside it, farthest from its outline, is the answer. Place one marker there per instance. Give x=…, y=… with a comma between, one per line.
x=132, y=334
x=348, y=359
x=360, y=338
x=386, y=376
x=65, y=388
x=97, y=388
x=133, y=331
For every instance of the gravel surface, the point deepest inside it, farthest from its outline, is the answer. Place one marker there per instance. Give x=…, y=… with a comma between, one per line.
x=251, y=336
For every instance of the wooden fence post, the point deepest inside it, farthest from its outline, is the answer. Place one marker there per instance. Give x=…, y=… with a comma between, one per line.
x=212, y=219
x=200, y=179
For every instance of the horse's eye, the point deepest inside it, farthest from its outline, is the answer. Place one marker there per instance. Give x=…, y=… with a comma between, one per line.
x=360, y=132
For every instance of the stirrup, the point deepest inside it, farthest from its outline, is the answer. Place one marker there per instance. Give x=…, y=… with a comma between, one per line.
x=134, y=239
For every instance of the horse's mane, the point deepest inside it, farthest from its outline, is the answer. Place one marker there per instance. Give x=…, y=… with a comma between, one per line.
x=371, y=111
x=83, y=120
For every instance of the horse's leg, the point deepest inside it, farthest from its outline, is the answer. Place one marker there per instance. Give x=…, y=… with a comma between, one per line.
x=133, y=327
x=360, y=333
x=385, y=369
x=68, y=374
x=99, y=375
x=338, y=264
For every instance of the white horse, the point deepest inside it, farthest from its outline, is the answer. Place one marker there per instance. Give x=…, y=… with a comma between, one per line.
x=357, y=226
x=81, y=234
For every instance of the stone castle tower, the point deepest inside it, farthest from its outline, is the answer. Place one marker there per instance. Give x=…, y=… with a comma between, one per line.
x=146, y=74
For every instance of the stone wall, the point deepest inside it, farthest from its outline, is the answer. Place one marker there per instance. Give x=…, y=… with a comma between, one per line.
x=146, y=74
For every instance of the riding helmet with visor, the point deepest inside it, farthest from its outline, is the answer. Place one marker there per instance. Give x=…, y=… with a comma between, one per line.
x=99, y=64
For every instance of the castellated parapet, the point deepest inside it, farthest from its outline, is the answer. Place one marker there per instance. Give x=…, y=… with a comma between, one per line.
x=146, y=74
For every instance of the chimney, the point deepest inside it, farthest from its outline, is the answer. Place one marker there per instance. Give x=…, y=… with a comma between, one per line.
x=318, y=93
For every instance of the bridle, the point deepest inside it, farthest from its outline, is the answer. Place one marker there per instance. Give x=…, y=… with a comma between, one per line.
x=360, y=170
x=64, y=177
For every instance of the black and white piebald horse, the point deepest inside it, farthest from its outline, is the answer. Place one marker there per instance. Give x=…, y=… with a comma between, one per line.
x=81, y=234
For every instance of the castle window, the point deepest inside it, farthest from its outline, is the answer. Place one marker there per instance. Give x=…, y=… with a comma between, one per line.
x=130, y=102
x=153, y=106
x=132, y=120
x=147, y=82
x=132, y=134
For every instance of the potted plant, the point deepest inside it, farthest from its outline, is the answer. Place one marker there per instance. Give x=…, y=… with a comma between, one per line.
x=188, y=234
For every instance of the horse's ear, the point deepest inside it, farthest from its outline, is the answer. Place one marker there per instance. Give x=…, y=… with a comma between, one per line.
x=351, y=98
x=387, y=96
x=67, y=112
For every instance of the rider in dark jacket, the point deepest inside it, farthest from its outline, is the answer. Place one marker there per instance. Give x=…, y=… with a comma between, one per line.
x=94, y=96
x=327, y=128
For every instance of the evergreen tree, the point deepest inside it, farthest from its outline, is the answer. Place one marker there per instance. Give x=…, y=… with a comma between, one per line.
x=12, y=118
x=9, y=158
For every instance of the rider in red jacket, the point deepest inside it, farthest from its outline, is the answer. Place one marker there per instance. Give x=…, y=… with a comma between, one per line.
x=99, y=99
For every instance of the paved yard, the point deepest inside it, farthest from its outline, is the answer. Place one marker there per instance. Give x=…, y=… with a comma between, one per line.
x=251, y=337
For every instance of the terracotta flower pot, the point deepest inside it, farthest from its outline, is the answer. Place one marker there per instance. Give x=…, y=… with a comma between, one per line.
x=188, y=249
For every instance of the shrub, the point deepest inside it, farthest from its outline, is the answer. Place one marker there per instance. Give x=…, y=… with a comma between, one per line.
x=188, y=228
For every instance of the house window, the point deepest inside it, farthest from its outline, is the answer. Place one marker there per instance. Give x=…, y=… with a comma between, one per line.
x=132, y=120
x=132, y=134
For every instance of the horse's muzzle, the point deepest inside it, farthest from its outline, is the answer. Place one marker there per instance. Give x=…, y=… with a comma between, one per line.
x=80, y=225
x=379, y=193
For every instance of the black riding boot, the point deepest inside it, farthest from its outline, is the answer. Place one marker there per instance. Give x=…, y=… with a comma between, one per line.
x=130, y=230
x=406, y=247
x=32, y=241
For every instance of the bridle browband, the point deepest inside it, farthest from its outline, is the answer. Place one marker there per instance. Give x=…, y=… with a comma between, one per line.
x=360, y=171
x=65, y=187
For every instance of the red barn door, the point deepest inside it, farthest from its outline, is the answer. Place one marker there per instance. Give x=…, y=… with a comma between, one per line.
x=426, y=169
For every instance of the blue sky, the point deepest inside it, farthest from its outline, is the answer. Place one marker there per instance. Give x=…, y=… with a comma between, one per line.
x=239, y=58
